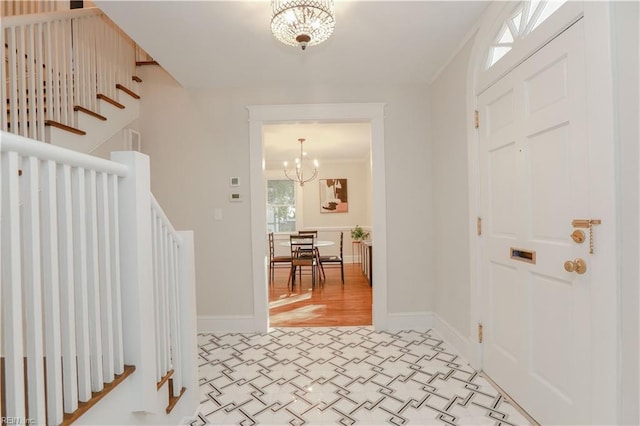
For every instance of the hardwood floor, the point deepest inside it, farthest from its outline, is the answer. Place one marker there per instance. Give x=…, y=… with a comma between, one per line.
x=330, y=304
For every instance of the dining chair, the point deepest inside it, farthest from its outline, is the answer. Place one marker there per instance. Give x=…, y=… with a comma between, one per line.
x=301, y=246
x=335, y=260
x=276, y=261
x=316, y=250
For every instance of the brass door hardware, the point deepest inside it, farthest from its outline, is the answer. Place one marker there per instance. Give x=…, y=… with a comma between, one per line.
x=578, y=236
x=586, y=223
x=579, y=266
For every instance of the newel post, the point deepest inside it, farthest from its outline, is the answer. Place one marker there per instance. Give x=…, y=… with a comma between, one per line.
x=138, y=319
x=187, y=309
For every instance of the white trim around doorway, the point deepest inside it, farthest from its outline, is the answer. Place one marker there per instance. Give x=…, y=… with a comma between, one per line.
x=260, y=115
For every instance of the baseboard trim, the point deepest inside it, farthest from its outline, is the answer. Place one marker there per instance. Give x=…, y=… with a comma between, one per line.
x=231, y=323
x=410, y=321
x=453, y=338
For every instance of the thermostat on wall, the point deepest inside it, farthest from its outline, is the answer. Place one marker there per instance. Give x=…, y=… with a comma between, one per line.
x=235, y=196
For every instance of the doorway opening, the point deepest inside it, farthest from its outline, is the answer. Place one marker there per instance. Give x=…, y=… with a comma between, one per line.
x=331, y=203
x=261, y=116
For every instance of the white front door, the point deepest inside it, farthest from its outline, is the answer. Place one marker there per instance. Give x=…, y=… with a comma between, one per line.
x=534, y=166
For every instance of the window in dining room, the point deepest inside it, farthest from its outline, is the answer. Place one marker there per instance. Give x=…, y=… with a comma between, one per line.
x=281, y=205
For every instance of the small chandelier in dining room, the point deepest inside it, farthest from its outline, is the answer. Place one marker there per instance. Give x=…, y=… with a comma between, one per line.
x=302, y=22
x=301, y=163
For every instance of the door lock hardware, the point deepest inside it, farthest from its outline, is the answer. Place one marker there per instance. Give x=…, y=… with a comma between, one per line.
x=578, y=236
x=585, y=223
x=579, y=266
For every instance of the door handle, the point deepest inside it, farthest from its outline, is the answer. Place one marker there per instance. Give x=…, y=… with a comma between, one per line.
x=579, y=266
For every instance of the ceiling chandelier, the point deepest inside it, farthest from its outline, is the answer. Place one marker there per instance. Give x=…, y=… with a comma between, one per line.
x=302, y=22
x=297, y=174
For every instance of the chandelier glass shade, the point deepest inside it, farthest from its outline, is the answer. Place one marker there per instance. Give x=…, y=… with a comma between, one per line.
x=302, y=22
x=297, y=173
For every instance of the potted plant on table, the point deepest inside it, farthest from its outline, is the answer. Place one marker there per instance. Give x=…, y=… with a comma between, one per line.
x=359, y=234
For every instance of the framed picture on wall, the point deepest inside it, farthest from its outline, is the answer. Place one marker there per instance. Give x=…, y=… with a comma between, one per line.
x=333, y=196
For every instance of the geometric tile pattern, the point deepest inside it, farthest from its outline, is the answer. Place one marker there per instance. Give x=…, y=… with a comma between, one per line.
x=342, y=376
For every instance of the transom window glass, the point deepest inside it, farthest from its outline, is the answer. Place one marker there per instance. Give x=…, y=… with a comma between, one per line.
x=524, y=19
x=281, y=206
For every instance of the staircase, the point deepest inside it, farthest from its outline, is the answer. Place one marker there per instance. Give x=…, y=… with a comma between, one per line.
x=97, y=296
x=69, y=78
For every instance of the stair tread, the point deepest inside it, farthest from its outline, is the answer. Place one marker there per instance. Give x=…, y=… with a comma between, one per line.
x=109, y=100
x=61, y=126
x=128, y=91
x=89, y=112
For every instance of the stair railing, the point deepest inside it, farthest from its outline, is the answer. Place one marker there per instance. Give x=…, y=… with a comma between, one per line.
x=77, y=239
x=166, y=247
x=24, y=7
x=57, y=63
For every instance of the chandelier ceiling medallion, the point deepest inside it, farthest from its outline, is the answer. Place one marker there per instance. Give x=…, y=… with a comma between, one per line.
x=302, y=22
x=297, y=174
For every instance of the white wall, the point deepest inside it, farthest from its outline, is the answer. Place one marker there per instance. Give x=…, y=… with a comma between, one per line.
x=626, y=35
x=198, y=139
x=115, y=143
x=450, y=193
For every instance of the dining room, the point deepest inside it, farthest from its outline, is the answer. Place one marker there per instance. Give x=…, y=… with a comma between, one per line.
x=318, y=180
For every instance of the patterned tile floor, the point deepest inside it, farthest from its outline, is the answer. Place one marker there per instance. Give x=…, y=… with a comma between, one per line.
x=342, y=376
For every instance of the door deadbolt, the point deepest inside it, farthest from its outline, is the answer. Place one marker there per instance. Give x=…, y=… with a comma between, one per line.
x=578, y=236
x=578, y=266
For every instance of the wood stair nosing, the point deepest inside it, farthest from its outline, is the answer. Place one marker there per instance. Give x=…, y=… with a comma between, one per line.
x=128, y=91
x=64, y=127
x=173, y=400
x=89, y=112
x=109, y=100
x=141, y=63
x=136, y=79
x=164, y=379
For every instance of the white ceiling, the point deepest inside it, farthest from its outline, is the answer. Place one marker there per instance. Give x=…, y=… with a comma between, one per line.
x=229, y=43
x=213, y=44
x=323, y=142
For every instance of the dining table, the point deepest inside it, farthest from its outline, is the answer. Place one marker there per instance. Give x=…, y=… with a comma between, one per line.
x=317, y=243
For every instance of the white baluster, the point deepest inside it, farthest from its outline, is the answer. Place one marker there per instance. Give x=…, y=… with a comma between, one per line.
x=11, y=300
x=156, y=290
x=13, y=78
x=176, y=352
x=22, y=82
x=67, y=295
x=32, y=287
x=162, y=302
x=93, y=62
x=30, y=76
x=114, y=214
x=51, y=288
x=3, y=77
x=80, y=283
x=93, y=282
x=105, y=291
x=39, y=75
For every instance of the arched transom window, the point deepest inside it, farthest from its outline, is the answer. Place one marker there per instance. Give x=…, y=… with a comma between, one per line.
x=521, y=22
